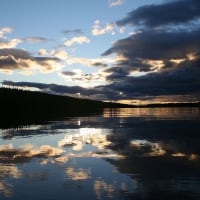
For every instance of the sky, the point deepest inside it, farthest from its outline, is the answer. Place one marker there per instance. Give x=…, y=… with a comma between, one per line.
x=128, y=51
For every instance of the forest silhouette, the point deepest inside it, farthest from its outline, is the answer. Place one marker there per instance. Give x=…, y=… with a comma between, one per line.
x=23, y=107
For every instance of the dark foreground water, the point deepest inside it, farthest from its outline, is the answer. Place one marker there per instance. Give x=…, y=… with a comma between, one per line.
x=139, y=153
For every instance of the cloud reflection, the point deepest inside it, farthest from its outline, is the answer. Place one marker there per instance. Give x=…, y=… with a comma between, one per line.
x=61, y=159
x=149, y=148
x=8, y=171
x=78, y=174
x=10, y=154
x=152, y=150
x=86, y=136
x=101, y=187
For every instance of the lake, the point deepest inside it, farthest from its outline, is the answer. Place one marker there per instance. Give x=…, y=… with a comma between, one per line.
x=126, y=153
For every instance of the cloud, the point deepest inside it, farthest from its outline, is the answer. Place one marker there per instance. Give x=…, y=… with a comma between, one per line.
x=53, y=88
x=85, y=79
x=97, y=29
x=35, y=39
x=6, y=43
x=153, y=62
x=68, y=73
x=73, y=31
x=5, y=30
x=9, y=43
x=114, y=3
x=79, y=40
x=18, y=59
x=153, y=44
x=181, y=11
x=58, y=53
x=97, y=62
x=162, y=57
x=16, y=53
x=177, y=81
x=43, y=52
x=93, y=93
x=182, y=79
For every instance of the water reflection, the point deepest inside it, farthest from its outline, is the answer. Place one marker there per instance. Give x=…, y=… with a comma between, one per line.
x=159, y=113
x=95, y=137
x=7, y=171
x=77, y=174
x=150, y=153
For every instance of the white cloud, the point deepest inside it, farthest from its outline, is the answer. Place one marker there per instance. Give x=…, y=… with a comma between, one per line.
x=78, y=77
x=83, y=61
x=79, y=40
x=43, y=52
x=61, y=54
x=122, y=30
x=97, y=29
x=4, y=31
x=114, y=3
x=6, y=43
x=12, y=43
x=101, y=62
x=9, y=43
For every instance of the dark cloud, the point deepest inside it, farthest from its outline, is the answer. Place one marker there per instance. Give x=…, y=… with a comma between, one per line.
x=98, y=93
x=170, y=13
x=16, y=53
x=117, y=73
x=52, y=88
x=125, y=68
x=177, y=79
x=99, y=64
x=68, y=73
x=182, y=80
x=44, y=59
x=157, y=44
x=74, y=31
x=10, y=63
x=35, y=39
x=164, y=47
x=13, y=59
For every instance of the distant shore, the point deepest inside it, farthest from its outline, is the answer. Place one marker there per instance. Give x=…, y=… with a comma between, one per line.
x=22, y=106
x=158, y=105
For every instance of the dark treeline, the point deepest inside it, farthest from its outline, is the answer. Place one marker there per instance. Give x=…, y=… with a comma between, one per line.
x=24, y=106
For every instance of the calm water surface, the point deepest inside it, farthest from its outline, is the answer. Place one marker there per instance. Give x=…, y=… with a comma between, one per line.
x=138, y=153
